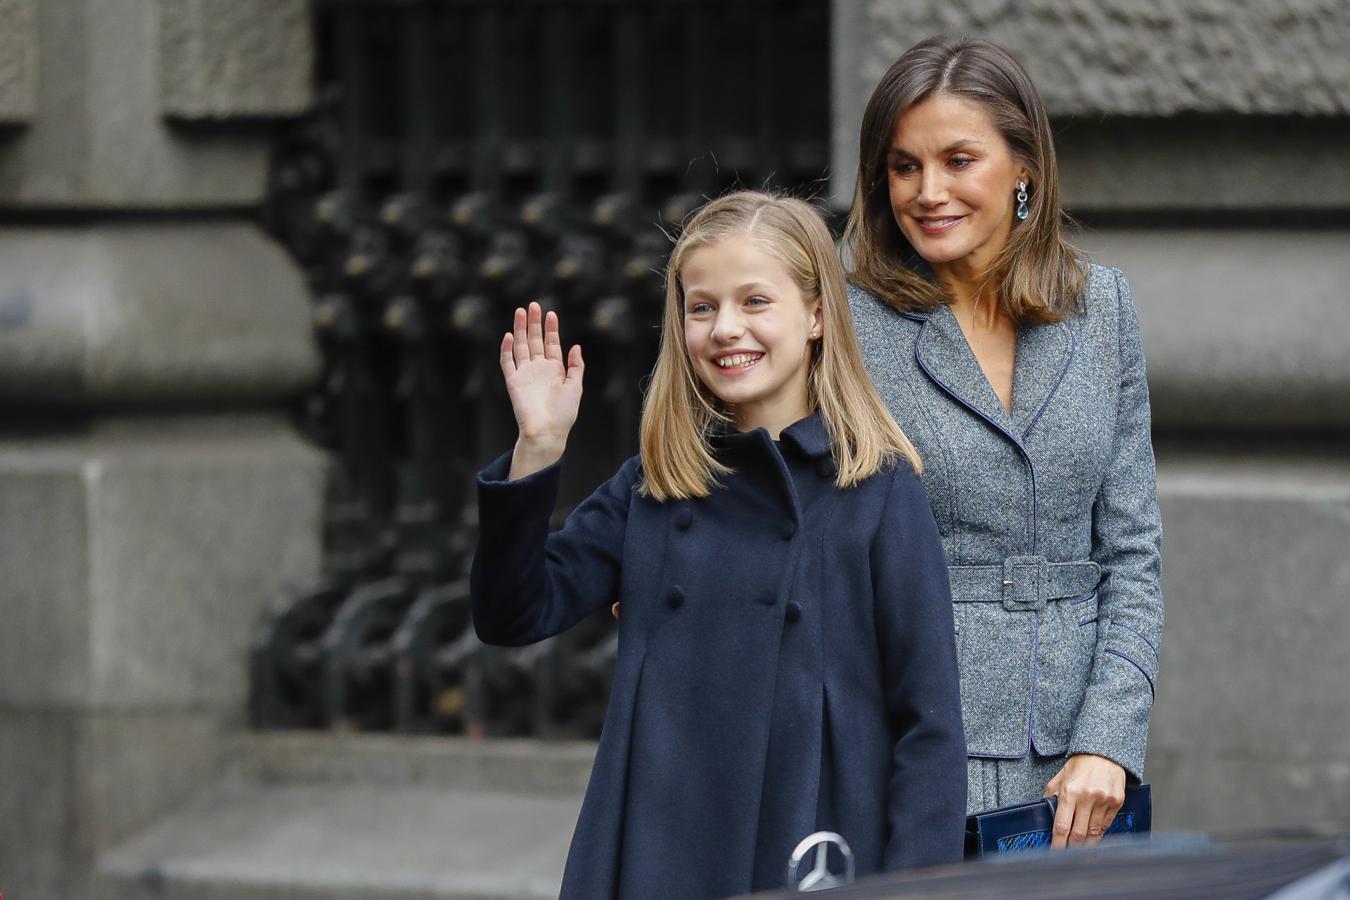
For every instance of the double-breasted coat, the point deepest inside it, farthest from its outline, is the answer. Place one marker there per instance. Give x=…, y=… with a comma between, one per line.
x=786, y=664
x=1048, y=516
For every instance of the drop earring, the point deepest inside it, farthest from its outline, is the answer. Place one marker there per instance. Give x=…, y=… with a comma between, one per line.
x=1022, y=211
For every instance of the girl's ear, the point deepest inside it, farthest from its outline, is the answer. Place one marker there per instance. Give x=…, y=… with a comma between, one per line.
x=817, y=317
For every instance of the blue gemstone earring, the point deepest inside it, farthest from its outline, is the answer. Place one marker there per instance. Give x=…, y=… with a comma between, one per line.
x=1022, y=211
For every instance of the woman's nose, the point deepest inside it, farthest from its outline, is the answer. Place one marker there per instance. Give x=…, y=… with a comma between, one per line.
x=932, y=187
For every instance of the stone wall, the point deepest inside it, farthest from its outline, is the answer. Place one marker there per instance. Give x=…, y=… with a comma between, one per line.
x=153, y=496
x=1219, y=132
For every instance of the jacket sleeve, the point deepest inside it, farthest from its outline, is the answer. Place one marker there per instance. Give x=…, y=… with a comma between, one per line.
x=926, y=797
x=1127, y=544
x=528, y=584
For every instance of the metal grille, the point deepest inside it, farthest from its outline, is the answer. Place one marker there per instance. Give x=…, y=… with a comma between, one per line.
x=465, y=158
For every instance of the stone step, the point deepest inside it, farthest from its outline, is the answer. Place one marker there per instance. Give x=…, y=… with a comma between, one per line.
x=376, y=817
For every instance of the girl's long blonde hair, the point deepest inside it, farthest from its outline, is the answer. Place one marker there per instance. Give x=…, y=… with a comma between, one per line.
x=677, y=456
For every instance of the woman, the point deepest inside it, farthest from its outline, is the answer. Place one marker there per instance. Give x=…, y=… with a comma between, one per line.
x=1015, y=368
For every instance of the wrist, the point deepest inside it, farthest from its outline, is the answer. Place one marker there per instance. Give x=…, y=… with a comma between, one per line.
x=532, y=454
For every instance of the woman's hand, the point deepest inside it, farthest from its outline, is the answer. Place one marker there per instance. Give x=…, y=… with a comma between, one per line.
x=545, y=392
x=1091, y=790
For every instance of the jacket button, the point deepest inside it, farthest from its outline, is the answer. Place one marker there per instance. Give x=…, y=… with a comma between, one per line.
x=825, y=467
x=788, y=529
x=793, y=611
x=684, y=517
x=675, y=599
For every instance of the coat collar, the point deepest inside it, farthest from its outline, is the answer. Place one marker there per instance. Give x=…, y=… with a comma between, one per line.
x=809, y=435
x=1043, y=356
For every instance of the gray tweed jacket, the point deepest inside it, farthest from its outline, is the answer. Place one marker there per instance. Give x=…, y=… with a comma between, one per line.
x=1048, y=516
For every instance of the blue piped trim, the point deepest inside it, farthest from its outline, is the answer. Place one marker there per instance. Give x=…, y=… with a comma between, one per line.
x=1083, y=598
x=1151, y=689
x=992, y=424
x=1142, y=637
x=1073, y=347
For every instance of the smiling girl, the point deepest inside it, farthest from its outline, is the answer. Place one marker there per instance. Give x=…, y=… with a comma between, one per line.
x=786, y=657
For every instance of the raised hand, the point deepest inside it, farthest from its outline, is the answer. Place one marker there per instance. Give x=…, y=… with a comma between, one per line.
x=545, y=390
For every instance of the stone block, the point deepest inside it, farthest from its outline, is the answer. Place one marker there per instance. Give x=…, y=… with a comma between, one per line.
x=1249, y=724
x=76, y=783
x=222, y=59
x=18, y=60
x=116, y=314
x=139, y=555
x=1122, y=57
x=1242, y=329
x=99, y=139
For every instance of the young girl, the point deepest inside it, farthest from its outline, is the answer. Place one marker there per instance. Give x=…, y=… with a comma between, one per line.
x=786, y=656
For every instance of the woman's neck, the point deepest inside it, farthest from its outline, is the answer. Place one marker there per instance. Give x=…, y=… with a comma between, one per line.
x=973, y=301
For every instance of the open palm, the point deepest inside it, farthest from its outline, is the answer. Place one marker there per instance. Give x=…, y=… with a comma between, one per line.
x=545, y=390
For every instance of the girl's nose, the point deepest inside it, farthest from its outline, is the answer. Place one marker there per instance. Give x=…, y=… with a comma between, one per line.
x=729, y=323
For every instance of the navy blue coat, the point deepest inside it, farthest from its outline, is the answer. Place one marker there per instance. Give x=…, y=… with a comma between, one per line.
x=786, y=664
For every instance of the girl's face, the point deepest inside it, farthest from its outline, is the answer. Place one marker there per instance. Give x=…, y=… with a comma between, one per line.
x=952, y=180
x=749, y=332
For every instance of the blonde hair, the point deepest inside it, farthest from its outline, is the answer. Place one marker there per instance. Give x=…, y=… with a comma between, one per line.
x=677, y=456
x=1037, y=276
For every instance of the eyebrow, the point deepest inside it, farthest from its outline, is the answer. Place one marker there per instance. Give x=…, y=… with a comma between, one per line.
x=954, y=145
x=749, y=285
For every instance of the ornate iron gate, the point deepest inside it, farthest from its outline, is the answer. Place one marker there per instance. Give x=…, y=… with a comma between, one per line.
x=467, y=157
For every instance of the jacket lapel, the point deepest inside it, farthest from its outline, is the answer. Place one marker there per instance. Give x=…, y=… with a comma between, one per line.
x=945, y=357
x=1043, y=356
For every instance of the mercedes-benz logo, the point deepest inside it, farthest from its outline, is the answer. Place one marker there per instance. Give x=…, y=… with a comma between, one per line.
x=820, y=877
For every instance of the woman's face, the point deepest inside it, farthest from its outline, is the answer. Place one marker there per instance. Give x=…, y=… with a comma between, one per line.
x=952, y=180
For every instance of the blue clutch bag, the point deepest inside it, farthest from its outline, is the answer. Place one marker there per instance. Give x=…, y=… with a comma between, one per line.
x=1026, y=826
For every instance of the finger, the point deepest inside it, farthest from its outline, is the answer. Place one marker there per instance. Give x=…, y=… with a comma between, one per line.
x=552, y=342
x=1078, y=832
x=1063, y=823
x=508, y=358
x=576, y=366
x=534, y=330
x=1098, y=822
x=521, y=346
x=614, y=610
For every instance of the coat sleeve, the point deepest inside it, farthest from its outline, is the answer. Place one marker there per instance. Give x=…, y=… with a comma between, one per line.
x=926, y=797
x=1127, y=544
x=528, y=584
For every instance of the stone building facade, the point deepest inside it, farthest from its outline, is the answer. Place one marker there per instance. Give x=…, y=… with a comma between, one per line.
x=153, y=497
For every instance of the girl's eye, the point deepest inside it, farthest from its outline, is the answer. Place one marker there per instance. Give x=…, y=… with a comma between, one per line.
x=699, y=309
x=756, y=300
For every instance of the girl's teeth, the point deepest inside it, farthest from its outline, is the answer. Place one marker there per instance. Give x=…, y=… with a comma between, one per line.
x=731, y=362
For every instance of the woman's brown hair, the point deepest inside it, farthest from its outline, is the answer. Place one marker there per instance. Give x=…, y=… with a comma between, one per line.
x=677, y=456
x=1037, y=276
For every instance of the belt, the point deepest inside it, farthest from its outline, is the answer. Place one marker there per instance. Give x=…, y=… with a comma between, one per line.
x=1023, y=582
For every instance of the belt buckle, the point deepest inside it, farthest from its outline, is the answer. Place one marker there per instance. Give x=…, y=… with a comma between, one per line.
x=1024, y=579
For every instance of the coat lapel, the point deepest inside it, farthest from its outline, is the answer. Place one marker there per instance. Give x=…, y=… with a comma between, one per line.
x=1043, y=356
x=945, y=356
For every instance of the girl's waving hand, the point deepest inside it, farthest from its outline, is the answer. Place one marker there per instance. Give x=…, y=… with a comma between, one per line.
x=545, y=389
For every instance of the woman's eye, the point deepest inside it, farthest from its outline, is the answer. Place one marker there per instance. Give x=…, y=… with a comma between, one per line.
x=904, y=168
x=960, y=162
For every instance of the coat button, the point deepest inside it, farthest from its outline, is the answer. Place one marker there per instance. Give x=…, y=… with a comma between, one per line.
x=788, y=529
x=675, y=599
x=684, y=517
x=793, y=612
x=825, y=467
